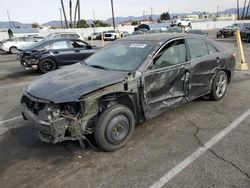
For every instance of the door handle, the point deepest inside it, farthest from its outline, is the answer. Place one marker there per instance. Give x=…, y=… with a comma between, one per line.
x=77, y=50
x=217, y=59
x=55, y=52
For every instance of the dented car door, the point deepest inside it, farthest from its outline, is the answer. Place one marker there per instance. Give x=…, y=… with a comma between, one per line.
x=205, y=60
x=165, y=84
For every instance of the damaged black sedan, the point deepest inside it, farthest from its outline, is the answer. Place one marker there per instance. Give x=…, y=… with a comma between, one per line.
x=130, y=81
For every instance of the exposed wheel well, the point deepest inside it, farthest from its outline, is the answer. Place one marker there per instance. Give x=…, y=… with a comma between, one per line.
x=112, y=99
x=228, y=74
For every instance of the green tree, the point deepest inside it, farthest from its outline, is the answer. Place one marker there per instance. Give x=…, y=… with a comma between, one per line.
x=83, y=24
x=99, y=23
x=35, y=25
x=135, y=23
x=165, y=16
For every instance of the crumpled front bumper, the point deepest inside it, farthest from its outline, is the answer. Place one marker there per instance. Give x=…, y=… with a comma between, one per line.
x=52, y=131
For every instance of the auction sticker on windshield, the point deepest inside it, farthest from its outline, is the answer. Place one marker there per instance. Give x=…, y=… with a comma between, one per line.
x=138, y=45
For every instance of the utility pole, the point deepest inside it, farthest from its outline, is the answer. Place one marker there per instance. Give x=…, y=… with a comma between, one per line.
x=113, y=15
x=64, y=14
x=143, y=17
x=61, y=17
x=217, y=11
x=94, y=19
x=76, y=7
x=151, y=12
x=79, y=14
x=70, y=13
x=243, y=15
x=9, y=18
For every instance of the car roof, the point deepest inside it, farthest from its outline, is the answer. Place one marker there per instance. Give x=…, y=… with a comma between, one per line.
x=159, y=37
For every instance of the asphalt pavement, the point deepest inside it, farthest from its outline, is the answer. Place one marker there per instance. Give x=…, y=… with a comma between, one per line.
x=198, y=144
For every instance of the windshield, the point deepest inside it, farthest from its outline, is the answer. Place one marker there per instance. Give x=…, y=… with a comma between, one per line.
x=121, y=55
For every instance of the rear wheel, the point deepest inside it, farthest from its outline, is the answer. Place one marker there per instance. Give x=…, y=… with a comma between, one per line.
x=114, y=127
x=46, y=65
x=13, y=50
x=219, y=86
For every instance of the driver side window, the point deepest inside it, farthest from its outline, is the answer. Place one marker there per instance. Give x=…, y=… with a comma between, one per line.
x=172, y=54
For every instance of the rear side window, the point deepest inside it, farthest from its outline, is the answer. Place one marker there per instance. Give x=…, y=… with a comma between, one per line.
x=211, y=49
x=60, y=45
x=197, y=47
x=78, y=44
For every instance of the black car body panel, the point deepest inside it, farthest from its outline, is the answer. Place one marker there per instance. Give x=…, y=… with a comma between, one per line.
x=69, y=84
x=78, y=94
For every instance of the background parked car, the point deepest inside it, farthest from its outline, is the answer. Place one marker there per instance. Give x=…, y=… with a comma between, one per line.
x=245, y=32
x=125, y=34
x=112, y=35
x=183, y=23
x=95, y=36
x=48, y=55
x=198, y=32
x=12, y=45
x=63, y=35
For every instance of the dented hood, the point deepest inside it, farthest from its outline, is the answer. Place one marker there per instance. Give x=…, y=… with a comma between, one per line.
x=69, y=84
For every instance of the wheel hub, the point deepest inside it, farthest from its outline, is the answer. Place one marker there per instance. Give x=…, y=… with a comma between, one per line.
x=221, y=84
x=117, y=129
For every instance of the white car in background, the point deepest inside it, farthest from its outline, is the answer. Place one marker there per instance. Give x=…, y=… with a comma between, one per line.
x=183, y=23
x=12, y=45
x=112, y=35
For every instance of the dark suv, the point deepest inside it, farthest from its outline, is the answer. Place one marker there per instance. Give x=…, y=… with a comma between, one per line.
x=245, y=32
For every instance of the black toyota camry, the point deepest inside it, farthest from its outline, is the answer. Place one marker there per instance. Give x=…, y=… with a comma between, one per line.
x=127, y=82
x=48, y=55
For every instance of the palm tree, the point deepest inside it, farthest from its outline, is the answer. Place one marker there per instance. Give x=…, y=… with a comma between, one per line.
x=243, y=14
x=64, y=14
x=247, y=10
x=238, y=10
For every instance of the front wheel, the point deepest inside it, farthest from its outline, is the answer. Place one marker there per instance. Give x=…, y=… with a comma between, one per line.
x=46, y=65
x=219, y=86
x=114, y=127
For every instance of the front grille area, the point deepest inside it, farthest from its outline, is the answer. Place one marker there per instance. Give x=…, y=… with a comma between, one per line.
x=108, y=35
x=33, y=106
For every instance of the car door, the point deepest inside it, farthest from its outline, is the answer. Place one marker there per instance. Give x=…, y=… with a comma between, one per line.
x=205, y=60
x=81, y=49
x=62, y=53
x=165, y=83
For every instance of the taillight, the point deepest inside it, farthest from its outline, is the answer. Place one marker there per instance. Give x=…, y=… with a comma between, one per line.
x=233, y=56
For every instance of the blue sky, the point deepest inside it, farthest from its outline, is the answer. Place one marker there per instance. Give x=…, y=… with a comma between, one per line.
x=41, y=11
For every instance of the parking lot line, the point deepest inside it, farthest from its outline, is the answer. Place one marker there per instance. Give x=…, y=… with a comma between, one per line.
x=12, y=119
x=191, y=158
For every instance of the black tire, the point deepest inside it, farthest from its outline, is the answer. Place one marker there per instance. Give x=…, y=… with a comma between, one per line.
x=179, y=24
x=13, y=50
x=219, y=86
x=114, y=127
x=189, y=25
x=248, y=39
x=47, y=65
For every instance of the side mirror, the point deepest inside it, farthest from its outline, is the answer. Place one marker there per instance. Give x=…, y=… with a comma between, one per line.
x=89, y=47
